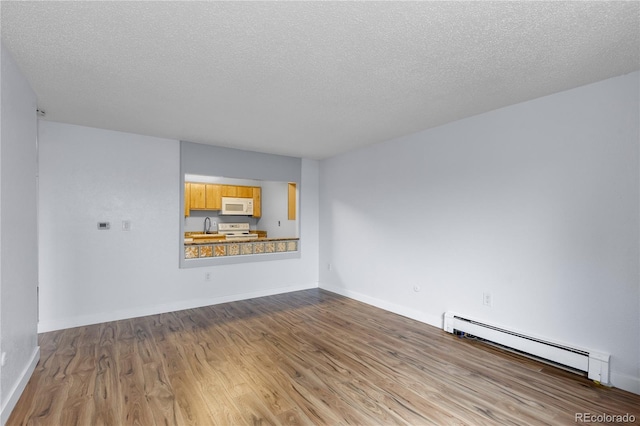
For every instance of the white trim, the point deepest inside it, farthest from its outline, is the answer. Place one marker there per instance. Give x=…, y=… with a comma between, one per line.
x=435, y=321
x=595, y=363
x=79, y=321
x=18, y=388
x=621, y=381
x=625, y=382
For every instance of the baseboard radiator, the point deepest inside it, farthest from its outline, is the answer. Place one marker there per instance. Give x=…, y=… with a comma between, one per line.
x=595, y=364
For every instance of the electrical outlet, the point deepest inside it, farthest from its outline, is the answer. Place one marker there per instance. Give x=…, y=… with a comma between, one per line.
x=207, y=276
x=487, y=300
x=126, y=225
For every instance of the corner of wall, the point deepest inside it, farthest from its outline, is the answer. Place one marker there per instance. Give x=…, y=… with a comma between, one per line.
x=18, y=235
x=19, y=387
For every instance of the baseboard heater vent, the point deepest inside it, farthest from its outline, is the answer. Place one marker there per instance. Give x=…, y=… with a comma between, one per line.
x=595, y=364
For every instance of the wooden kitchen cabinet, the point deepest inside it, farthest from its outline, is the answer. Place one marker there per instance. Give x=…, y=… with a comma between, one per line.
x=213, y=198
x=237, y=191
x=291, y=201
x=208, y=196
x=197, y=198
x=187, y=199
x=244, y=191
x=229, y=191
x=257, y=201
x=201, y=196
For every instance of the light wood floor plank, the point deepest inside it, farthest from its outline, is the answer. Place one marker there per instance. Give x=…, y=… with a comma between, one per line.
x=302, y=358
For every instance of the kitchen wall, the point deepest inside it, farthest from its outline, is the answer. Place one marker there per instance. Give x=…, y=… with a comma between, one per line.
x=274, y=208
x=89, y=175
x=18, y=234
x=195, y=221
x=207, y=160
x=536, y=204
x=274, y=218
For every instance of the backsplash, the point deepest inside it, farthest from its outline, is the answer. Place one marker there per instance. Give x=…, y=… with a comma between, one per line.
x=195, y=222
x=227, y=249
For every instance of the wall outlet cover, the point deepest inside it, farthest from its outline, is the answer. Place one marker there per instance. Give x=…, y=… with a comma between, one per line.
x=486, y=299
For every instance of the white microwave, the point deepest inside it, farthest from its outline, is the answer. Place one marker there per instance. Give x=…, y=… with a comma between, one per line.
x=237, y=206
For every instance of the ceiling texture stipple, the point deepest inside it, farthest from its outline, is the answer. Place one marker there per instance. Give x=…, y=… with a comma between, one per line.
x=307, y=79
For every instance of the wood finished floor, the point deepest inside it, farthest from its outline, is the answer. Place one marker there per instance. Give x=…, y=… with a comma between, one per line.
x=309, y=357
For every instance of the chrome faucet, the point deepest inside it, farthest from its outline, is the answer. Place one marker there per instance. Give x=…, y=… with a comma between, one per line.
x=207, y=224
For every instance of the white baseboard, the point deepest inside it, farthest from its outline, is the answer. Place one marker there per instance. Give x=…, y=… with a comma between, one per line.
x=436, y=321
x=18, y=388
x=625, y=382
x=79, y=321
x=620, y=381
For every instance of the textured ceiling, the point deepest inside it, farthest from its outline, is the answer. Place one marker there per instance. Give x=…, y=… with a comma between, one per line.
x=308, y=79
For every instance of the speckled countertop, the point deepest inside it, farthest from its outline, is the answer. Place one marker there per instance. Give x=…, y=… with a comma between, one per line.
x=217, y=239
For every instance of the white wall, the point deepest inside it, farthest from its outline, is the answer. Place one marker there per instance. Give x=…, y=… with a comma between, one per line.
x=88, y=276
x=536, y=203
x=18, y=235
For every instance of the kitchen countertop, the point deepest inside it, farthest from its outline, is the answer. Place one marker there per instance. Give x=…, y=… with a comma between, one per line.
x=202, y=247
x=218, y=239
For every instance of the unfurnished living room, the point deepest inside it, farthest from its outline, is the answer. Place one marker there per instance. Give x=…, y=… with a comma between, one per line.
x=319, y=212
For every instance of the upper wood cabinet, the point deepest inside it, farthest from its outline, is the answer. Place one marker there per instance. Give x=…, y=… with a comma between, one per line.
x=203, y=196
x=257, y=201
x=208, y=196
x=229, y=191
x=291, y=201
x=197, y=199
x=244, y=191
x=237, y=191
x=187, y=198
x=213, y=197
